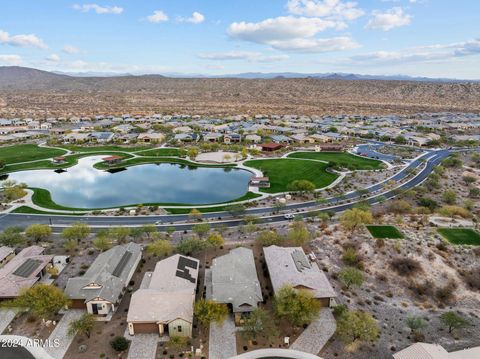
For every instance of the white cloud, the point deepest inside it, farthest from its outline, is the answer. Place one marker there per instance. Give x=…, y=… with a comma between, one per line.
x=69, y=49
x=429, y=53
x=242, y=55
x=291, y=33
x=24, y=40
x=196, y=18
x=99, y=9
x=157, y=17
x=230, y=55
x=11, y=60
x=335, y=9
x=392, y=18
x=53, y=58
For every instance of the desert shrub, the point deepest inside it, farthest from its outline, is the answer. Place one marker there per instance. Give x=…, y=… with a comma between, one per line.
x=446, y=295
x=352, y=258
x=472, y=278
x=422, y=289
x=119, y=344
x=405, y=266
x=339, y=310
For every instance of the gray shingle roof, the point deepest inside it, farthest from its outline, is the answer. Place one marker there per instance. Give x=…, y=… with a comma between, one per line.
x=101, y=273
x=233, y=279
x=290, y=266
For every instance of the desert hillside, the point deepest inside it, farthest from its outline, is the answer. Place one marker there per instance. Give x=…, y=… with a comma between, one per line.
x=29, y=92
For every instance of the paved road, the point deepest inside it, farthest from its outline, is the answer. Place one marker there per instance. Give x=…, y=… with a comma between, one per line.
x=265, y=214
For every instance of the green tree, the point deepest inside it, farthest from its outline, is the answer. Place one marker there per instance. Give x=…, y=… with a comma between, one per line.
x=160, y=248
x=215, y=240
x=351, y=277
x=102, y=243
x=453, y=321
x=119, y=344
x=38, y=232
x=268, y=237
x=201, y=229
x=355, y=326
x=298, y=234
x=12, y=237
x=42, y=300
x=195, y=214
x=301, y=186
x=259, y=322
x=208, y=311
x=77, y=231
x=83, y=325
x=192, y=153
x=236, y=209
x=400, y=140
x=352, y=218
x=177, y=342
x=12, y=190
x=299, y=307
x=118, y=234
x=190, y=245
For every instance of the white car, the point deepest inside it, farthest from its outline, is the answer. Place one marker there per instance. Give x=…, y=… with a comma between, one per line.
x=289, y=216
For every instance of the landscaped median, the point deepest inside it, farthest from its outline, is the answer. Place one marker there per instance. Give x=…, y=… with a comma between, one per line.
x=42, y=198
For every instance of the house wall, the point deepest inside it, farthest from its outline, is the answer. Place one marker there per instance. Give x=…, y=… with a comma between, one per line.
x=104, y=307
x=186, y=328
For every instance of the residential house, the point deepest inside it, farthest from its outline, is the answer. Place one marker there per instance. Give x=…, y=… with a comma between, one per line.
x=232, y=279
x=101, y=288
x=164, y=302
x=6, y=253
x=186, y=137
x=435, y=351
x=302, y=138
x=152, y=137
x=23, y=271
x=281, y=139
x=101, y=137
x=212, y=137
x=232, y=138
x=253, y=138
x=124, y=128
x=290, y=266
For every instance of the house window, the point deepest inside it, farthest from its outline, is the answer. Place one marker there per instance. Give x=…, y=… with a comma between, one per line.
x=179, y=329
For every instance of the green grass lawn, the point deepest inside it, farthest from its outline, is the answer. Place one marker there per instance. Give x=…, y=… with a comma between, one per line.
x=282, y=172
x=385, y=232
x=159, y=152
x=461, y=236
x=24, y=153
x=341, y=158
x=30, y=210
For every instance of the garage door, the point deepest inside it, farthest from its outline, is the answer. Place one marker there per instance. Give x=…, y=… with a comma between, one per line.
x=145, y=328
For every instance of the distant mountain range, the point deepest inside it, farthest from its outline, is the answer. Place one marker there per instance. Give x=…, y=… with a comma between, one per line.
x=30, y=92
x=274, y=75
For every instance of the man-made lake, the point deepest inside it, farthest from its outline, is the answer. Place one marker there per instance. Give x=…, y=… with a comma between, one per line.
x=83, y=186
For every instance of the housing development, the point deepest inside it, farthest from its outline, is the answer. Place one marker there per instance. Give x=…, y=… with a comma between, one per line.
x=281, y=179
x=172, y=235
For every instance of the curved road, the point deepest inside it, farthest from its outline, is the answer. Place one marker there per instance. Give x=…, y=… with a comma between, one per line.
x=429, y=160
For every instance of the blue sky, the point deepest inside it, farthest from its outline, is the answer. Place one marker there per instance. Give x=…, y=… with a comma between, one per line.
x=434, y=38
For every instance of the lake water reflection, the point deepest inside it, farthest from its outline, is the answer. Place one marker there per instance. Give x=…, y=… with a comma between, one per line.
x=83, y=186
